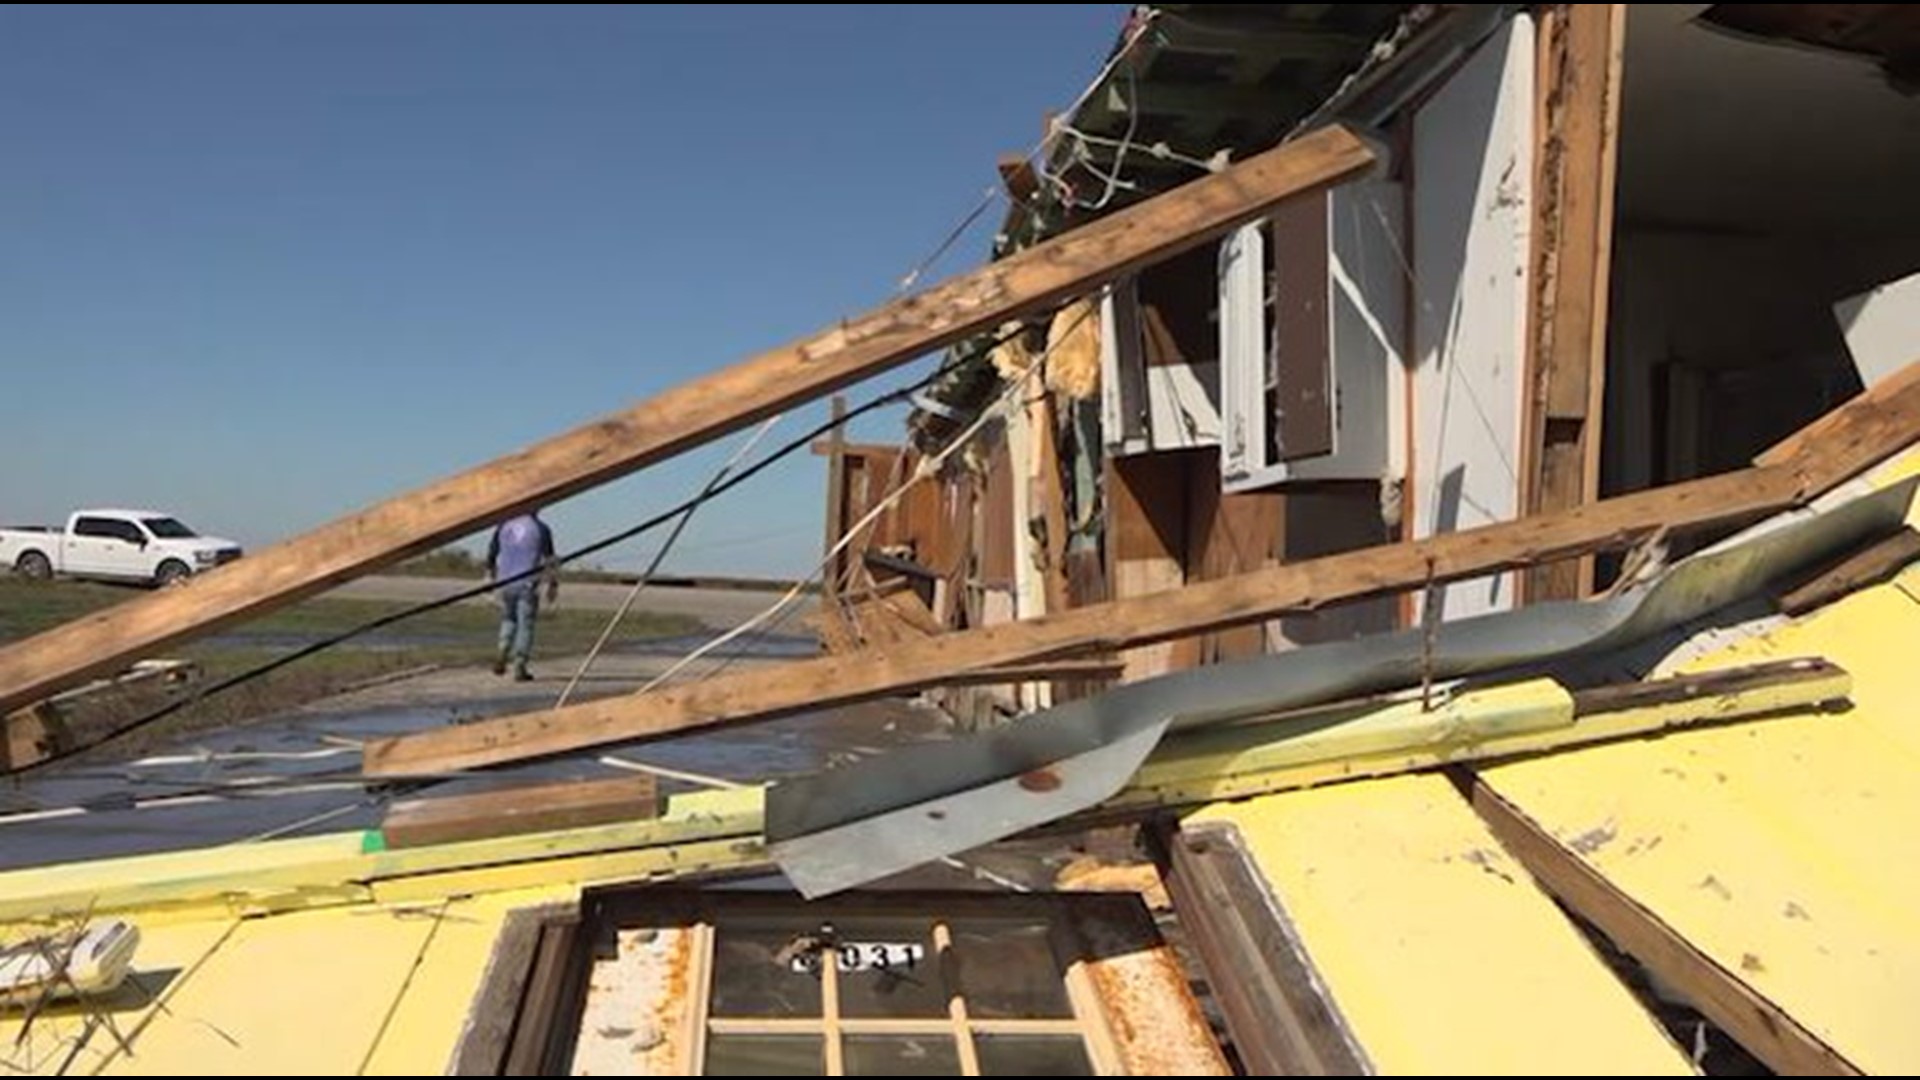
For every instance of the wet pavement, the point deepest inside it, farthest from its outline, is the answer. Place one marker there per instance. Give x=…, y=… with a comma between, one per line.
x=297, y=774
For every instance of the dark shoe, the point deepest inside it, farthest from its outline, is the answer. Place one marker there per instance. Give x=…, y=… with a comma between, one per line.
x=499, y=665
x=521, y=674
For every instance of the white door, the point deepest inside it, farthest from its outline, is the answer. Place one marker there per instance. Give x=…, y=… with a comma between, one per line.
x=106, y=547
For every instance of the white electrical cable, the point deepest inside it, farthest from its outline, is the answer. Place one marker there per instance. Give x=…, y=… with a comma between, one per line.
x=1035, y=154
x=660, y=556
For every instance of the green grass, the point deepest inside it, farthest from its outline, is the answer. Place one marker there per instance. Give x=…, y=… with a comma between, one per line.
x=28, y=607
x=456, y=562
x=463, y=564
x=462, y=634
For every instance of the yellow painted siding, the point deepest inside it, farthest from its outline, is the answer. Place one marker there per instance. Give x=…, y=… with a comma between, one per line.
x=1437, y=948
x=348, y=868
x=302, y=993
x=1784, y=850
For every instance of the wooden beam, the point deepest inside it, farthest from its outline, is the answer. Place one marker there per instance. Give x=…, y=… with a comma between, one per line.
x=1157, y=617
x=1863, y=413
x=524, y=808
x=1868, y=566
x=826, y=447
x=1755, y=1022
x=1041, y=671
x=832, y=580
x=1578, y=110
x=680, y=419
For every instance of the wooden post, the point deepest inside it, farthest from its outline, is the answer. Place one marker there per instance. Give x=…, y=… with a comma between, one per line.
x=1578, y=112
x=832, y=616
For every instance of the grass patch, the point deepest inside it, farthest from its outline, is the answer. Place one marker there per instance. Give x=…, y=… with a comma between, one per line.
x=456, y=562
x=461, y=634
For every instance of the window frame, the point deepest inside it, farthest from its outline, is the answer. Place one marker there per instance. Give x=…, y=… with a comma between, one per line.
x=1087, y=1020
x=1358, y=341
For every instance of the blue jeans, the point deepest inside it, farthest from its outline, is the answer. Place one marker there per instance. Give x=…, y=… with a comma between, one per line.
x=519, y=606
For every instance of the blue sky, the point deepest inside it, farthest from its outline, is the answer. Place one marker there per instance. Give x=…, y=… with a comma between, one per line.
x=263, y=266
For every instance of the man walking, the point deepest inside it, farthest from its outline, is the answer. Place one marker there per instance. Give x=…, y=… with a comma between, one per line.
x=520, y=545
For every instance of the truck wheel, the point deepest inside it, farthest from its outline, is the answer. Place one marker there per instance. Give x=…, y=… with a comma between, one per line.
x=32, y=564
x=172, y=572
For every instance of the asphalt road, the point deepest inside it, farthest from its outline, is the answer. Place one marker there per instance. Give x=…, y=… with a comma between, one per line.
x=717, y=608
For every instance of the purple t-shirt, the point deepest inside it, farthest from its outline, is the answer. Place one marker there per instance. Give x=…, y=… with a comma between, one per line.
x=519, y=544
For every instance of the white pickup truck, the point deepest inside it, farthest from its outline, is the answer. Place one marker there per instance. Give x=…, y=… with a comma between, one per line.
x=114, y=545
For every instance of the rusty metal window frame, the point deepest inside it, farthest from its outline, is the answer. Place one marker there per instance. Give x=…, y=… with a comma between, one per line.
x=1088, y=1020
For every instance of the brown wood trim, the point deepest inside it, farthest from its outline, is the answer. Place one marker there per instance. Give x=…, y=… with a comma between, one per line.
x=1869, y=566
x=482, y=1049
x=1682, y=688
x=1576, y=138
x=540, y=1021
x=1281, y=1016
x=520, y=808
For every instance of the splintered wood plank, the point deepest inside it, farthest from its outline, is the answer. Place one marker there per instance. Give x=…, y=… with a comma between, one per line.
x=682, y=418
x=1872, y=565
x=523, y=808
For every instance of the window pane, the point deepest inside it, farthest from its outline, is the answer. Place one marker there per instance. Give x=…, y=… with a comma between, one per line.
x=1007, y=971
x=1032, y=1055
x=765, y=1055
x=169, y=529
x=901, y=1055
x=888, y=969
x=752, y=975
x=87, y=526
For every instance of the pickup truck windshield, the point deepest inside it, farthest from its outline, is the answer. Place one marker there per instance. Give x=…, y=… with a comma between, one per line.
x=168, y=529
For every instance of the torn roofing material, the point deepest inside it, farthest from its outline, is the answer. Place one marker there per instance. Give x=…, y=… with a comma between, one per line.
x=854, y=825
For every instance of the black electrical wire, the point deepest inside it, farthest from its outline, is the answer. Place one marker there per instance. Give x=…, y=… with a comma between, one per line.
x=239, y=678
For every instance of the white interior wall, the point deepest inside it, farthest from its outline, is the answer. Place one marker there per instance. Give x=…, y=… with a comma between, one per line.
x=1882, y=328
x=1472, y=176
x=1760, y=183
